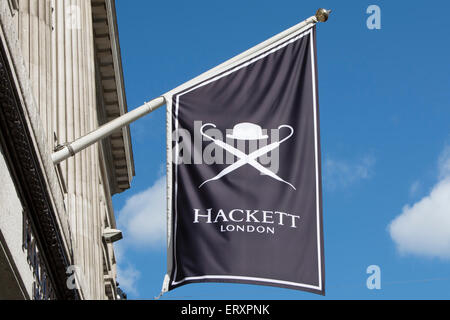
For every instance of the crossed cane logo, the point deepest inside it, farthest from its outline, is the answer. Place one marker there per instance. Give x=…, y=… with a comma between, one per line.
x=247, y=131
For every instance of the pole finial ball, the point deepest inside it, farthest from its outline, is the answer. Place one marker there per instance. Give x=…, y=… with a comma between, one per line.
x=322, y=14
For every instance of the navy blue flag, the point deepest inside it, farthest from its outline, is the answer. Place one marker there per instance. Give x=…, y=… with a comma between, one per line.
x=245, y=173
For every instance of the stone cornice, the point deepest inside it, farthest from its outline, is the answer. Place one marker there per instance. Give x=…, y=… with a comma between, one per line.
x=109, y=66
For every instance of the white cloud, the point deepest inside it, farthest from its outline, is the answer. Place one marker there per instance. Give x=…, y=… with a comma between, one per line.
x=143, y=218
x=340, y=173
x=424, y=228
x=127, y=279
x=143, y=222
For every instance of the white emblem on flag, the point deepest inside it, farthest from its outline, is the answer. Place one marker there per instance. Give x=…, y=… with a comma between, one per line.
x=247, y=131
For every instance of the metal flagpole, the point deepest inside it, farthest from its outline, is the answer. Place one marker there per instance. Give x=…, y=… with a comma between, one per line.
x=68, y=150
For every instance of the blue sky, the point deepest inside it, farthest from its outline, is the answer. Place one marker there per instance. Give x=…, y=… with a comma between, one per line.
x=385, y=133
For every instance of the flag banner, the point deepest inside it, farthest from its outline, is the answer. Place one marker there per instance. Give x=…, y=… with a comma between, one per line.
x=244, y=173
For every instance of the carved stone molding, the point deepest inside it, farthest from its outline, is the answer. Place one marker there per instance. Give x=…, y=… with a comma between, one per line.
x=23, y=161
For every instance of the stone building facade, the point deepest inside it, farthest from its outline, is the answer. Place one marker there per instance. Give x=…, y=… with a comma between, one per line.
x=60, y=78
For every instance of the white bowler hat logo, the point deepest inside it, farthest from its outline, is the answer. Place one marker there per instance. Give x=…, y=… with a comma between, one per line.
x=247, y=131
